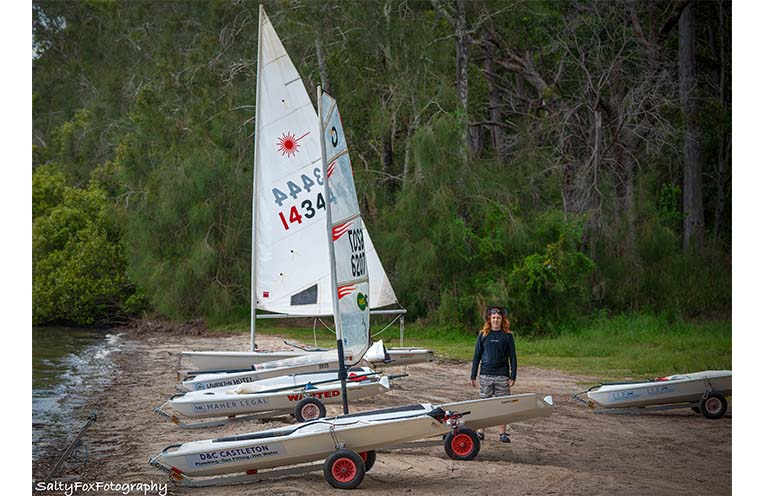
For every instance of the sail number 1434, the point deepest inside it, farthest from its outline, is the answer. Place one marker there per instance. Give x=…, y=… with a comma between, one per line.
x=308, y=207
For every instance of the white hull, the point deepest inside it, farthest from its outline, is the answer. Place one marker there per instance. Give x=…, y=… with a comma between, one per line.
x=360, y=432
x=681, y=388
x=312, y=362
x=294, y=380
x=236, y=360
x=223, y=402
x=317, y=362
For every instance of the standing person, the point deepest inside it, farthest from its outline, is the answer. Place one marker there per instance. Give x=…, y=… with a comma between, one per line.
x=495, y=352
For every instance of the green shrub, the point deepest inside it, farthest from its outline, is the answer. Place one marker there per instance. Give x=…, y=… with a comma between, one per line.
x=551, y=288
x=79, y=263
x=48, y=184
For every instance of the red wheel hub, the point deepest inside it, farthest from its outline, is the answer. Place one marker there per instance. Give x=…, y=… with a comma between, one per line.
x=462, y=444
x=310, y=412
x=344, y=470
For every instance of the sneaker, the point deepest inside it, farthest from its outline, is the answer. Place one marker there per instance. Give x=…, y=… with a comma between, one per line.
x=480, y=436
x=504, y=438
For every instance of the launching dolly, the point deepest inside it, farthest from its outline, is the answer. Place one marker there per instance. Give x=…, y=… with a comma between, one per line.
x=703, y=392
x=345, y=443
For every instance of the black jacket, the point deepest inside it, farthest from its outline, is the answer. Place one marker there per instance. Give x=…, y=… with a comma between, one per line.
x=493, y=353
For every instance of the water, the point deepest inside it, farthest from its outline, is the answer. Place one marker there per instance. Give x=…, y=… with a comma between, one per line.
x=68, y=365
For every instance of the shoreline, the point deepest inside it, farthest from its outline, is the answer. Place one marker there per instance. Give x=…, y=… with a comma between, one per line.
x=572, y=452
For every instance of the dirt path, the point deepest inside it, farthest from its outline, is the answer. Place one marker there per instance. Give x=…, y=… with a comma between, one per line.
x=573, y=452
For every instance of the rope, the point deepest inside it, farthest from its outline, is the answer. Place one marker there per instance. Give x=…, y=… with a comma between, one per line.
x=395, y=319
x=330, y=329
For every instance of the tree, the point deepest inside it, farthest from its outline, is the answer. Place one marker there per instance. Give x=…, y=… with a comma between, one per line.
x=78, y=259
x=693, y=208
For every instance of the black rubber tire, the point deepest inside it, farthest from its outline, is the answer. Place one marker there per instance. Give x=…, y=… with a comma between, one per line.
x=462, y=444
x=309, y=409
x=369, y=458
x=713, y=406
x=344, y=469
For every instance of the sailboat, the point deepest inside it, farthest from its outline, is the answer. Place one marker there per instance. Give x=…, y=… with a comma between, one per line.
x=346, y=443
x=350, y=285
x=290, y=273
x=344, y=446
x=302, y=395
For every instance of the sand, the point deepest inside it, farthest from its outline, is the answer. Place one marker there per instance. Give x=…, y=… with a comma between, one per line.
x=573, y=452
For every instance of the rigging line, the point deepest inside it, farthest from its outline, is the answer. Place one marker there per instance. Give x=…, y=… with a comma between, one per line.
x=395, y=319
x=331, y=330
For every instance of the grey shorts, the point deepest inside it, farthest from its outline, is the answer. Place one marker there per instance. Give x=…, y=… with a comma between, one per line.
x=493, y=385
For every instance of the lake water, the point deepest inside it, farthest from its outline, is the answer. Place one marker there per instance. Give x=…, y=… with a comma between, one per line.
x=68, y=365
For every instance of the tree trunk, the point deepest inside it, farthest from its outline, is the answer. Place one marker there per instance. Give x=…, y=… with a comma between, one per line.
x=460, y=30
x=387, y=156
x=495, y=109
x=724, y=154
x=625, y=148
x=693, y=222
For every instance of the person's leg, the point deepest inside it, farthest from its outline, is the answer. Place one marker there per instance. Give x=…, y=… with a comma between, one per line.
x=502, y=389
x=486, y=388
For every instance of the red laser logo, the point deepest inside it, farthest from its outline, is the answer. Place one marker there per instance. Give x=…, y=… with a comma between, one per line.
x=288, y=144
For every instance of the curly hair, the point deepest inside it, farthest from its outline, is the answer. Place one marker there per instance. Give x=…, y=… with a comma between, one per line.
x=505, y=326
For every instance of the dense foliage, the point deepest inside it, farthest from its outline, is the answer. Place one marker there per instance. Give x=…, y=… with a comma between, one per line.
x=526, y=153
x=79, y=262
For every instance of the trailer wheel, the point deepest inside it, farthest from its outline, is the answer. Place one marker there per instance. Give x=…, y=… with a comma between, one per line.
x=713, y=406
x=369, y=458
x=309, y=409
x=462, y=444
x=344, y=469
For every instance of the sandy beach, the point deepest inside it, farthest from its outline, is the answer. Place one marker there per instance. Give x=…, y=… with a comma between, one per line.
x=573, y=452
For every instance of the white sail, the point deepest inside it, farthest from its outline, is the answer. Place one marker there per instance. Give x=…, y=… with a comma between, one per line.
x=347, y=255
x=290, y=239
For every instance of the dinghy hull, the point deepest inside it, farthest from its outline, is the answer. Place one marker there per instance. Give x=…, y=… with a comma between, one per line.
x=221, y=402
x=362, y=432
x=236, y=360
x=680, y=388
x=325, y=361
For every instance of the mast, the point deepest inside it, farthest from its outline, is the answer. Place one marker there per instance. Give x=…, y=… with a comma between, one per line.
x=255, y=168
x=342, y=372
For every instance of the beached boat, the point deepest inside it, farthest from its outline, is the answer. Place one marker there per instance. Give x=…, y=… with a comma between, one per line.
x=704, y=392
x=326, y=361
x=317, y=361
x=303, y=395
x=344, y=442
x=292, y=266
x=236, y=360
x=294, y=280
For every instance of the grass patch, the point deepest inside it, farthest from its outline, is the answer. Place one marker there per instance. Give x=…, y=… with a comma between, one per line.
x=610, y=348
x=636, y=345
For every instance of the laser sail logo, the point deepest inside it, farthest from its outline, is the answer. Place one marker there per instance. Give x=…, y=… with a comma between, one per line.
x=288, y=143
